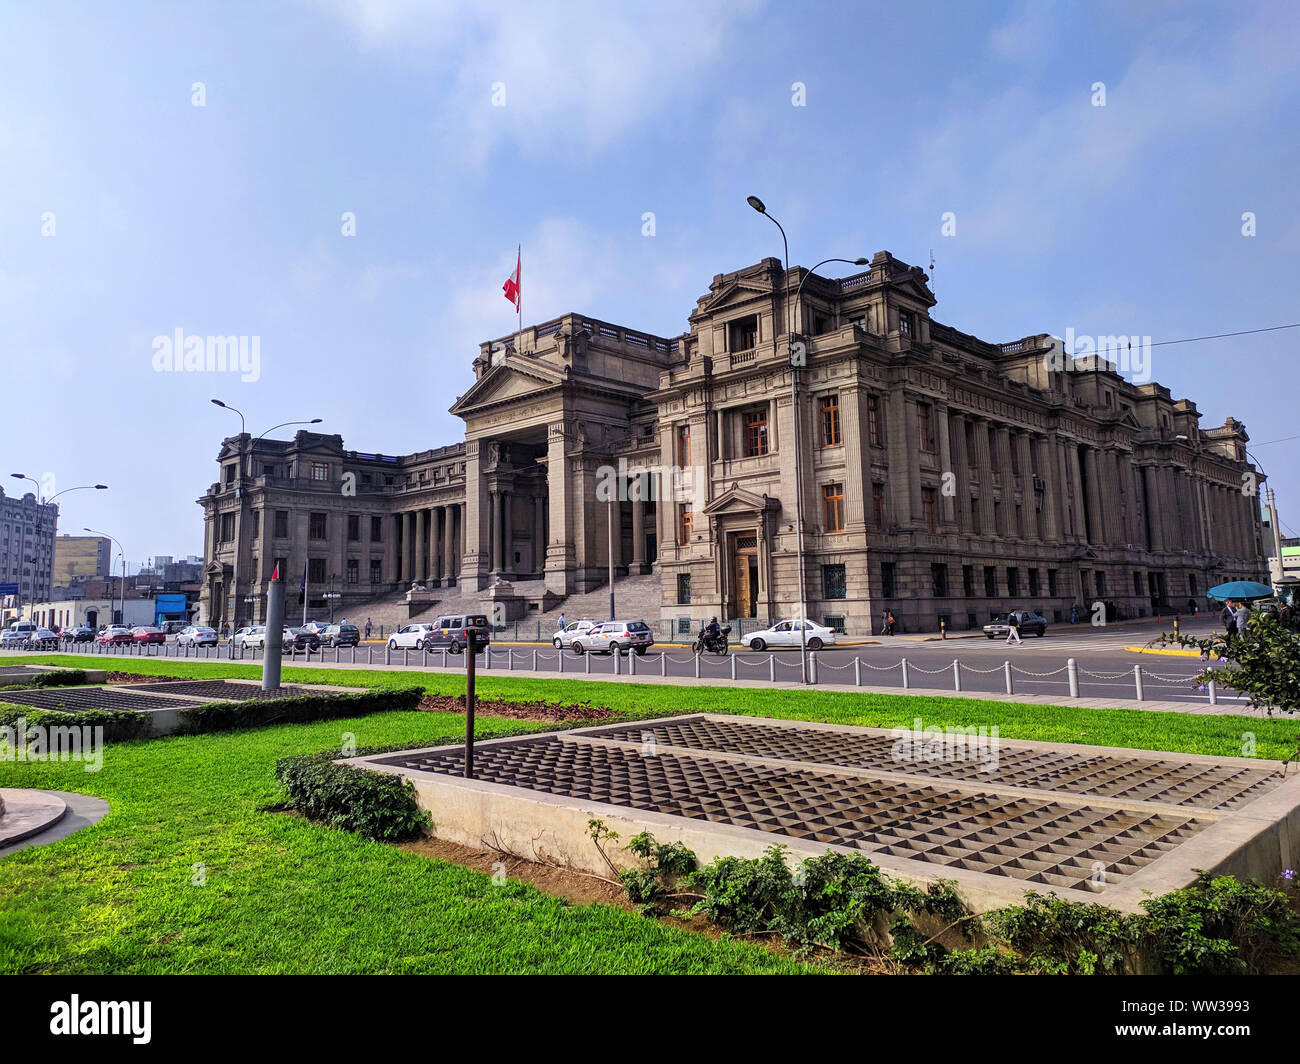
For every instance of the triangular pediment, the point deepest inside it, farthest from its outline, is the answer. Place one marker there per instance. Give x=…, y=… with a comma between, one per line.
x=736, y=500
x=735, y=293
x=513, y=380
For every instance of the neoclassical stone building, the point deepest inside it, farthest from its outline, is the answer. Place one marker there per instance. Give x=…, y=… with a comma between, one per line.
x=942, y=476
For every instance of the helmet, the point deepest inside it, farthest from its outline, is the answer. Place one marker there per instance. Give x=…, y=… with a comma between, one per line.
x=713, y=620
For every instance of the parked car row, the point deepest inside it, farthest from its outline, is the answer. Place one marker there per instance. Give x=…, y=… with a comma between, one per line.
x=452, y=632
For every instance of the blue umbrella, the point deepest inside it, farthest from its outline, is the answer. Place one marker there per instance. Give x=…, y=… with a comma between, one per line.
x=1240, y=589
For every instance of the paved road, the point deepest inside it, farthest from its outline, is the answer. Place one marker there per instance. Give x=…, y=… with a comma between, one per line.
x=1105, y=669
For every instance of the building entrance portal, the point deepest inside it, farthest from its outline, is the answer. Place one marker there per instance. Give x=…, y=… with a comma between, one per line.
x=744, y=558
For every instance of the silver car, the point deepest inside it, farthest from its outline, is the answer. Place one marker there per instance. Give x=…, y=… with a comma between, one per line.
x=565, y=636
x=615, y=637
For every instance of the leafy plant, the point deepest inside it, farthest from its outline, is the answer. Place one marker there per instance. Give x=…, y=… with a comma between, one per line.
x=1263, y=663
x=665, y=863
x=260, y=712
x=1057, y=937
x=375, y=805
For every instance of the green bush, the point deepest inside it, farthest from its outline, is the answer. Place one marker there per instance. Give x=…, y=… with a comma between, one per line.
x=260, y=712
x=375, y=805
x=1058, y=937
x=54, y=678
x=1221, y=926
x=119, y=725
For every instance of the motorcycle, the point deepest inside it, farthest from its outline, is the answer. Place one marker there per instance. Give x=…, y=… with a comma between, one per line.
x=714, y=644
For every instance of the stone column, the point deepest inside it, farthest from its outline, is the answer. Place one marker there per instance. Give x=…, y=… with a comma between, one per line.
x=638, y=530
x=494, y=531
x=947, y=503
x=539, y=534
x=507, y=531
x=561, y=554
x=1154, y=507
x=412, y=536
x=421, y=545
x=1092, y=486
x=912, y=442
x=435, y=544
x=450, y=565
x=984, y=464
x=961, y=468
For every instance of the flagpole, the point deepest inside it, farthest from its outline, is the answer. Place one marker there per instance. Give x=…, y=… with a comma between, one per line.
x=304, y=593
x=519, y=296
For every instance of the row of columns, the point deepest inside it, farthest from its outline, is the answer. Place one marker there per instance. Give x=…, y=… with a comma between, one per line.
x=502, y=514
x=429, y=544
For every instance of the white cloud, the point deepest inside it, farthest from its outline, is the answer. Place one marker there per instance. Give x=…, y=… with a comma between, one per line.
x=577, y=75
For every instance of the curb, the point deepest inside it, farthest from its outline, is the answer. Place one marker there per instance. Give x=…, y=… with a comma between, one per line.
x=1170, y=653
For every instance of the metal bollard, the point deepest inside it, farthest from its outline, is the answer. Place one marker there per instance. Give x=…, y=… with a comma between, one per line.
x=733, y=666
x=663, y=663
x=616, y=655
x=1214, y=693
x=586, y=661
x=1006, y=671
x=559, y=660
x=388, y=655
x=771, y=667
x=1137, y=682
x=631, y=662
x=812, y=666
x=857, y=672
x=697, y=666
x=956, y=675
x=535, y=653
x=903, y=663
x=1072, y=671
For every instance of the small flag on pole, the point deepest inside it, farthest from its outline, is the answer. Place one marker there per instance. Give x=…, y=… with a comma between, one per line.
x=511, y=287
x=275, y=574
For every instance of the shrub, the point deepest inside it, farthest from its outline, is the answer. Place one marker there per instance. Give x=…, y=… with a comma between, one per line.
x=1221, y=926
x=1058, y=937
x=260, y=712
x=119, y=725
x=52, y=678
x=375, y=805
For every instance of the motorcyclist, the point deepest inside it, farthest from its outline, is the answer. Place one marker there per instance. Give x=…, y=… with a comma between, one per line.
x=712, y=630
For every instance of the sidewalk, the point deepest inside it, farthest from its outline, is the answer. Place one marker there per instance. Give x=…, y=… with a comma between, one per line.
x=726, y=683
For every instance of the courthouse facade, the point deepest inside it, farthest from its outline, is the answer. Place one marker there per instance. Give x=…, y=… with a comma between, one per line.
x=942, y=477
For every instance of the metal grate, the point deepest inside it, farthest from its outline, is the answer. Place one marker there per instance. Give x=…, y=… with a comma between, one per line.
x=220, y=689
x=1196, y=784
x=1037, y=840
x=73, y=699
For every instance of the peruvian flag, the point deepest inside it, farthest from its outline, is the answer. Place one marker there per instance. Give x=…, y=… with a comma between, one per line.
x=511, y=287
x=276, y=575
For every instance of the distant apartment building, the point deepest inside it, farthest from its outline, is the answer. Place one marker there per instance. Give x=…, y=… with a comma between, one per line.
x=27, y=529
x=79, y=558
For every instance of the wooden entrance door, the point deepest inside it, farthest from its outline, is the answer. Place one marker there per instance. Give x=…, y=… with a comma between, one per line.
x=744, y=574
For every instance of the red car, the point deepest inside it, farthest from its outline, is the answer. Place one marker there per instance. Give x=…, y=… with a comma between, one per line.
x=114, y=633
x=146, y=634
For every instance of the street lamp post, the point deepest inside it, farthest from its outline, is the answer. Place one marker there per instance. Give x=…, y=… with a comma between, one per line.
x=761, y=208
x=1274, y=567
x=233, y=597
x=122, y=608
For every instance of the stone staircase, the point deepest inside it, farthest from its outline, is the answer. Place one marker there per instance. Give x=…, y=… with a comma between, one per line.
x=636, y=597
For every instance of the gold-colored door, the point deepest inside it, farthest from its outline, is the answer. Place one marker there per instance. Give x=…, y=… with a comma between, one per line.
x=744, y=567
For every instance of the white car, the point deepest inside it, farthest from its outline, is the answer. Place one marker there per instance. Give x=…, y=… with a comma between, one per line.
x=612, y=636
x=788, y=634
x=197, y=636
x=410, y=637
x=241, y=638
x=10, y=638
x=564, y=636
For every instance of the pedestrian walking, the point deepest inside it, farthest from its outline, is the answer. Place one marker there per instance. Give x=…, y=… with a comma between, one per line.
x=1241, y=618
x=889, y=622
x=560, y=623
x=1074, y=613
x=1228, y=620
x=1013, y=629
x=367, y=627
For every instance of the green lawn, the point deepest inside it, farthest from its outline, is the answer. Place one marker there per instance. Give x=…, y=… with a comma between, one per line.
x=284, y=895
x=1274, y=738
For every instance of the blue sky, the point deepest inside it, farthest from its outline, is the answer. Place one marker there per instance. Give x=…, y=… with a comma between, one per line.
x=225, y=219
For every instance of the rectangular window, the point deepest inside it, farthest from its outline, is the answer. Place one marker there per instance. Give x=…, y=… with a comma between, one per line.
x=993, y=448
x=939, y=579
x=970, y=445
x=874, y=435
x=377, y=529
x=318, y=526
x=354, y=528
x=1015, y=457
x=316, y=571
x=1013, y=581
x=924, y=428
x=281, y=524
x=906, y=323
x=928, y=509
x=376, y=571
x=833, y=506
x=742, y=334
x=1101, y=584
x=990, y=582
x=829, y=406
x=1033, y=583
x=283, y=565
x=320, y=471
x=354, y=571
x=878, y=505
x=755, y=432
x=256, y=515
x=684, y=523
x=683, y=589
x=968, y=581
x=683, y=446
x=888, y=582
x=227, y=529
x=975, y=515
x=834, y=582
x=1051, y=582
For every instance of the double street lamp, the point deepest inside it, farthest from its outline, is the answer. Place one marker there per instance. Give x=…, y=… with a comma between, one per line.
x=122, y=619
x=232, y=596
x=46, y=502
x=797, y=358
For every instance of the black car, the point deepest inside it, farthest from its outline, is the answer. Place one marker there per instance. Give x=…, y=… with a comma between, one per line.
x=341, y=635
x=1029, y=623
x=80, y=634
x=304, y=639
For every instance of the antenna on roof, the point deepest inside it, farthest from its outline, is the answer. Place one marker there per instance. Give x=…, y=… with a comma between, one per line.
x=932, y=270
